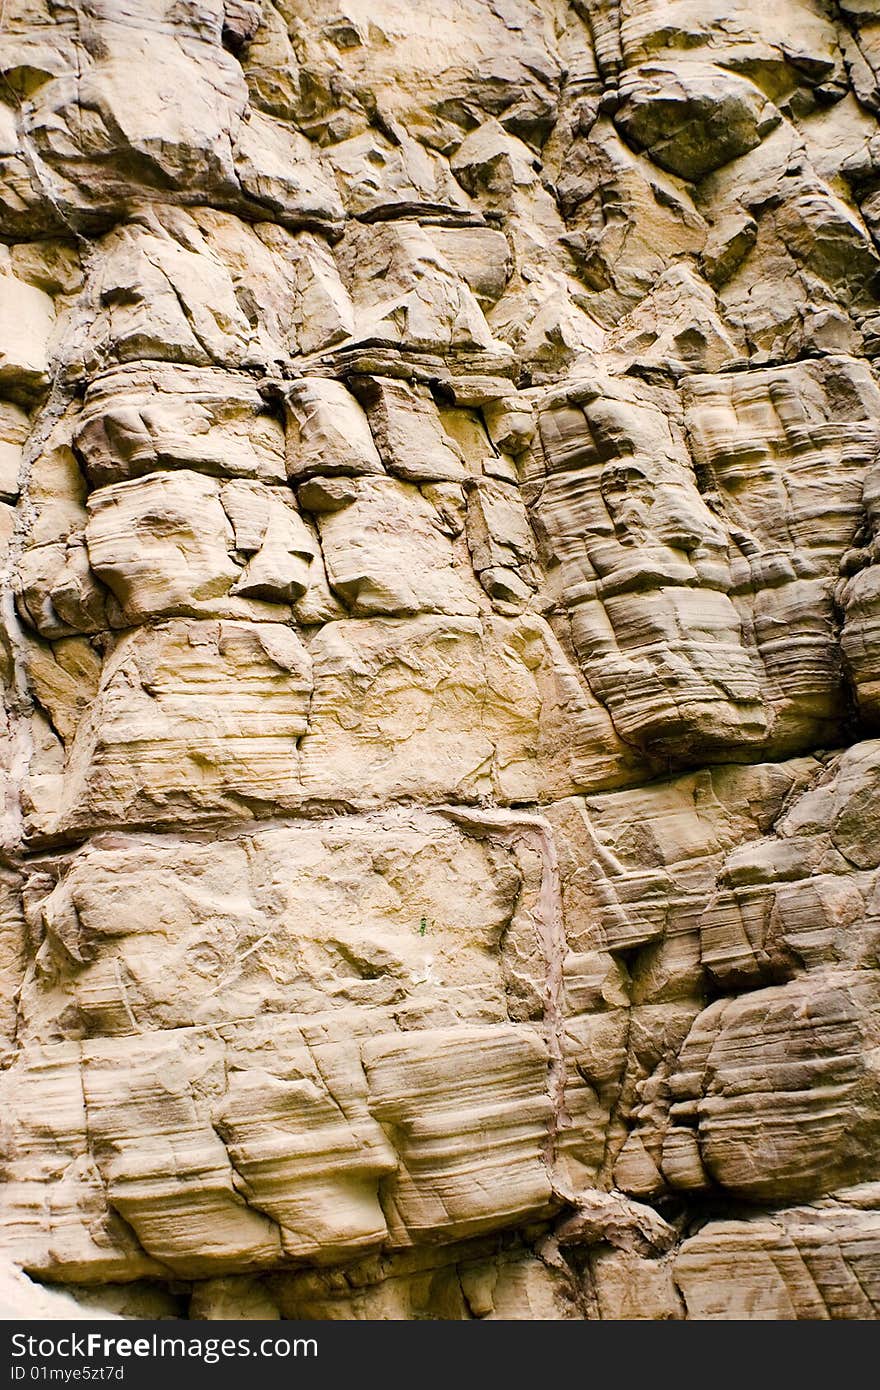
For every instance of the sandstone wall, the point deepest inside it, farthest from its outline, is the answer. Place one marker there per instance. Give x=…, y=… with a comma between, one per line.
x=440, y=497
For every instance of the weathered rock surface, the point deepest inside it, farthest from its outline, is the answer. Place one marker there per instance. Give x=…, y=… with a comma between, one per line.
x=440, y=645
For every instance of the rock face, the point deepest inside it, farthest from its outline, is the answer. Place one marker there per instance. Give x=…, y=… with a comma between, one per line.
x=440, y=618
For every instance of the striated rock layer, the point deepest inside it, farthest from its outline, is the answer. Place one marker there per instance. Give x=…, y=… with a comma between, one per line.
x=440, y=509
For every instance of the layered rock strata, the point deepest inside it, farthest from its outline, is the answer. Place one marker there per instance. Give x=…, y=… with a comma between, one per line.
x=440, y=499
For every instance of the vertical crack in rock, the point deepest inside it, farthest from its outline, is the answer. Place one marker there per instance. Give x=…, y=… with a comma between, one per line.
x=20, y=696
x=533, y=830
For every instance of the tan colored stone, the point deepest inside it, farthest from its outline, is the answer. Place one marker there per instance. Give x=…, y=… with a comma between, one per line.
x=139, y=419
x=177, y=544
x=204, y=715
x=14, y=427
x=802, y=1263
x=439, y=552
x=26, y=321
x=327, y=431
x=386, y=553
x=496, y=1124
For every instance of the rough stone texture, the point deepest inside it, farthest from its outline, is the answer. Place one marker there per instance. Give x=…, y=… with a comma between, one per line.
x=440, y=642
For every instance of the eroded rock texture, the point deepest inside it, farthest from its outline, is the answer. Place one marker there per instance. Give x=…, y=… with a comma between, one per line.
x=440, y=490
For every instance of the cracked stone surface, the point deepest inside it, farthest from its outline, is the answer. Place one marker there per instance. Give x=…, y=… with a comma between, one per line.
x=440, y=648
